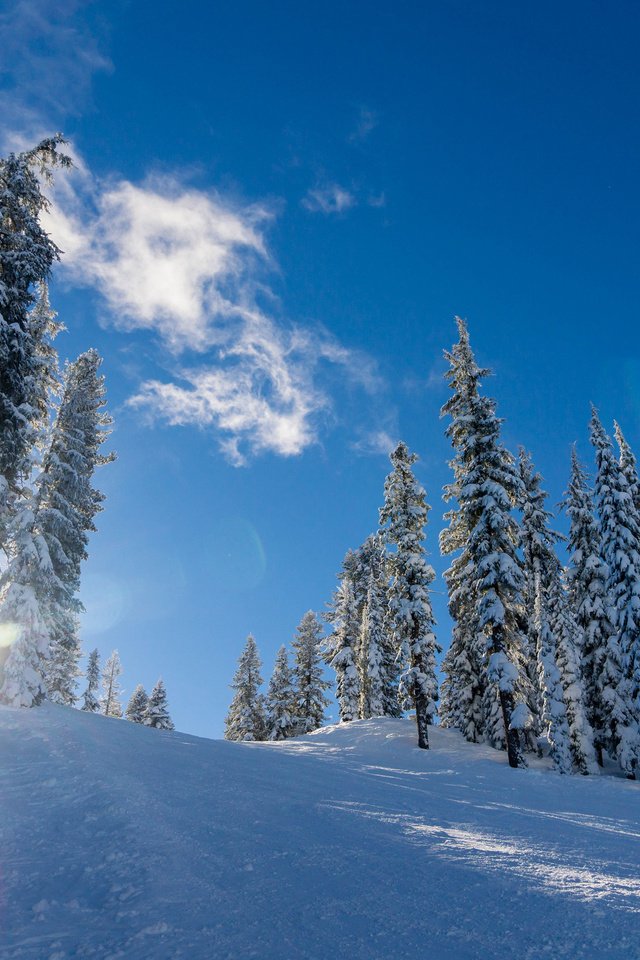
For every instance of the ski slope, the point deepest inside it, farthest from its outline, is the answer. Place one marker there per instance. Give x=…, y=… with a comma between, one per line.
x=118, y=841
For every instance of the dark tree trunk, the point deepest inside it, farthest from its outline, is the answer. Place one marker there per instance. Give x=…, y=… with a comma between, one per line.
x=512, y=737
x=422, y=720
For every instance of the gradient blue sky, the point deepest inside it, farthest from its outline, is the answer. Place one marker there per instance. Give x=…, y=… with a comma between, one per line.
x=277, y=211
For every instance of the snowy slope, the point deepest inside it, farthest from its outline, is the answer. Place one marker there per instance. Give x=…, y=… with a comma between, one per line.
x=120, y=841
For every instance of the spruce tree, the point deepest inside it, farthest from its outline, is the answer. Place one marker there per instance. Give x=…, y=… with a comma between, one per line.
x=309, y=683
x=137, y=705
x=156, y=714
x=402, y=519
x=464, y=664
x=27, y=374
x=489, y=571
x=628, y=466
x=620, y=546
x=343, y=643
x=372, y=652
x=246, y=719
x=90, y=701
x=542, y=570
x=587, y=596
x=29, y=575
x=67, y=505
x=27, y=254
x=110, y=704
x=379, y=667
x=280, y=700
x=567, y=634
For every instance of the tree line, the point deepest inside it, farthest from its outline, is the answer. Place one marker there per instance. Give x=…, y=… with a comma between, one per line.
x=543, y=656
x=151, y=710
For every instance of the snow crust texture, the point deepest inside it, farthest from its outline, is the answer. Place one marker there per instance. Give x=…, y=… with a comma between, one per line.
x=117, y=841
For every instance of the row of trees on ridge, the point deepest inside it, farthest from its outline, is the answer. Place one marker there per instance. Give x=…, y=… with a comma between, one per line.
x=542, y=655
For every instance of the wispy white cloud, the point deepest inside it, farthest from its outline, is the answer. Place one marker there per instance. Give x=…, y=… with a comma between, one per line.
x=367, y=121
x=165, y=258
x=188, y=265
x=50, y=53
x=375, y=442
x=329, y=198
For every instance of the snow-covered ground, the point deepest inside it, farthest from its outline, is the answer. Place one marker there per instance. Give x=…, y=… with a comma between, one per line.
x=121, y=841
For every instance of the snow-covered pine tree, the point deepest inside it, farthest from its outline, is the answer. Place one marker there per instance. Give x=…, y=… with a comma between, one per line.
x=464, y=666
x=137, y=705
x=27, y=371
x=628, y=465
x=110, y=704
x=378, y=691
x=90, y=700
x=379, y=666
x=29, y=576
x=567, y=633
x=586, y=578
x=486, y=486
x=308, y=679
x=402, y=520
x=67, y=505
x=542, y=570
x=620, y=547
x=341, y=647
x=156, y=714
x=280, y=700
x=27, y=254
x=246, y=718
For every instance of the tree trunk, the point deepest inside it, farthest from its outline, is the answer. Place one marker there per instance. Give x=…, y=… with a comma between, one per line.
x=512, y=737
x=422, y=720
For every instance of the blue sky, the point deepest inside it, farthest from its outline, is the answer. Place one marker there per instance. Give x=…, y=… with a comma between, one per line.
x=276, y=212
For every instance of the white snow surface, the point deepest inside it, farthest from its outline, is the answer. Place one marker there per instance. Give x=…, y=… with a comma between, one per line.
x=119, y=841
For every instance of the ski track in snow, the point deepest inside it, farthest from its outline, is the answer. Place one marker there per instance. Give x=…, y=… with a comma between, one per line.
x=117, y=841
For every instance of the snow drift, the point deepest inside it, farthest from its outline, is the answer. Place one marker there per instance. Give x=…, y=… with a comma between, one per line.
x=118, y=841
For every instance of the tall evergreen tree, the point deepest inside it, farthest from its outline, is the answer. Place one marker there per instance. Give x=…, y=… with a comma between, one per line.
x=29, y=575
x=379, y=665
x=628, y=466
x=567, y=634
x=156, y=714
x=90, y=700
x=280, y=701
x=110, y=704
x=587, y=596
x=343, y=643
x=542, y=571
x=309, y=683
x=246, y=719
x=403, y=519
x=27, y=254
x=486, y=488
x=27, y=372
x=620, y=546
x=137, y=706
x=67, y=506
x=465, y=681
x=374, y=651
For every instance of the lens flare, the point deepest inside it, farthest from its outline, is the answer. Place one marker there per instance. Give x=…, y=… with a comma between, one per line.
x=9, y=633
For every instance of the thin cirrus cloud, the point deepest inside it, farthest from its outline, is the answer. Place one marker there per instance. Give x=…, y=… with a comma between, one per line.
x=367, y=121
x=50, y=53
x=329, y=198
x=188, y=266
